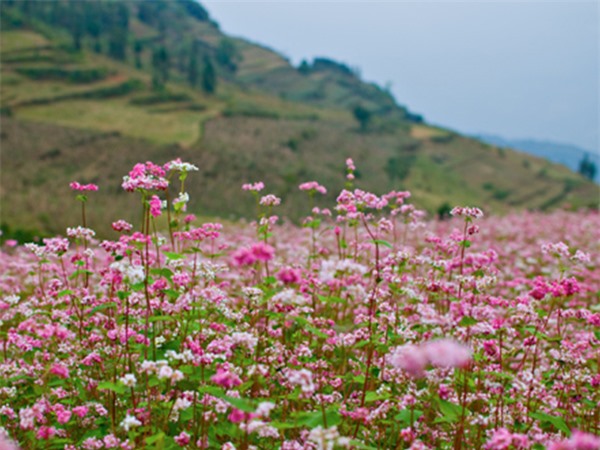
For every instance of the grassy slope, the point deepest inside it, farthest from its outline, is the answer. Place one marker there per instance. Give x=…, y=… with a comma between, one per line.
x=46, y=145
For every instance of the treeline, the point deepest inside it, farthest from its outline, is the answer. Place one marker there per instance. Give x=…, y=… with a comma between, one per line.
x=105, y=27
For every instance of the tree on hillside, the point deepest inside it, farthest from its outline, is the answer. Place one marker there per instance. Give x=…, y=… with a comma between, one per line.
x=160, y=67
x=363, y=116
x=587, y=168
x=192, y=69
x=137, y=50
x=209, y=76
x=227, y=54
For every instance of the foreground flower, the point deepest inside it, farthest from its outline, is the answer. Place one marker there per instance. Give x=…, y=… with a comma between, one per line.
x=130, y=422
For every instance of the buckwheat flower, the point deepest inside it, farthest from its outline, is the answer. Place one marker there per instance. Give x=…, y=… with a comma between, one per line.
x=581, y=257
x=410, y=358
x=177, y=164
x=270, y=200
x=60, y=371
x=155, y=206
x=147, y=176
x=164, y=372
x=262, y=252
x=228, y=446
x=130, y=422
x=246, y=339
x=254, y=187
x=578, y=441
x=243, y=257
x=182, y=439
x=264, y=409
x=57, y=246
x=289, y=275
x=313, y=186
x=121, y=225
x=12, y=299
x=327, y=438
x=128, y=380
x=37, y=250
x=7, y=444
x=225, y=378
x=180, y=203
x=302, y=378
x=467, y=211
x=80, y=232
x=447, y=353
x=556, y=249
x=45, y=432
x=83, y=187
x=176, y=376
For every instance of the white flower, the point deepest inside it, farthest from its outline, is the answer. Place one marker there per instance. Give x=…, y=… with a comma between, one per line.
x=128, y=380
x=130, y=422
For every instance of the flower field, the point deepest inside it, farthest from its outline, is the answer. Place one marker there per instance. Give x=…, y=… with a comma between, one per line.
x=367, y=327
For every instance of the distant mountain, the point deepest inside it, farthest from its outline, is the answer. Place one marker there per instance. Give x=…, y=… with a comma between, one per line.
x=565, y=154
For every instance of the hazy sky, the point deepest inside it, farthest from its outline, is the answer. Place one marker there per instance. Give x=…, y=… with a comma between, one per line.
x=520, y=69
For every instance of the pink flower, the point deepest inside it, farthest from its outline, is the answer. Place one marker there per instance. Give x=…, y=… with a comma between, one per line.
x=80, y=411
x=45, y=432
x=243, y=257
x=289, y=275
x=578, y=441
x=411, y=359
x=225, y=378
x=182, y=439
x=155, y=206
x=467, y=211
x=270, y=200
x=147, y=176
x=83, y=187
x=255, y=187
x=313, y=186
x=447, y=353
x=121, y=225
x=6, y=444
x=500, y=440
x=60, y=371
x=262, y=251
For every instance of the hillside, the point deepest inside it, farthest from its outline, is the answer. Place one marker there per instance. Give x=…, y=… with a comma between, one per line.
x=121, y=82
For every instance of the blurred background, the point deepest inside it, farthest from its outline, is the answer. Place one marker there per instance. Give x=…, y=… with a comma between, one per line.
x=492, y=104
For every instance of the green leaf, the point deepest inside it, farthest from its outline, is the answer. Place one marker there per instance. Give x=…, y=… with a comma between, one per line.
x=160, y=436
x=240, y=403
x=164, y=272
x=359, y=445
x=382, y=242
x=404, y=416
x=103, y=306
x=450, y=411
x=110, y=386
x=467, y=321
x=557, y=422
x=374, y=396
x=65, y=292
x=466, y=243
x=161, y=319
x=173, y=256
x=78, y=272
